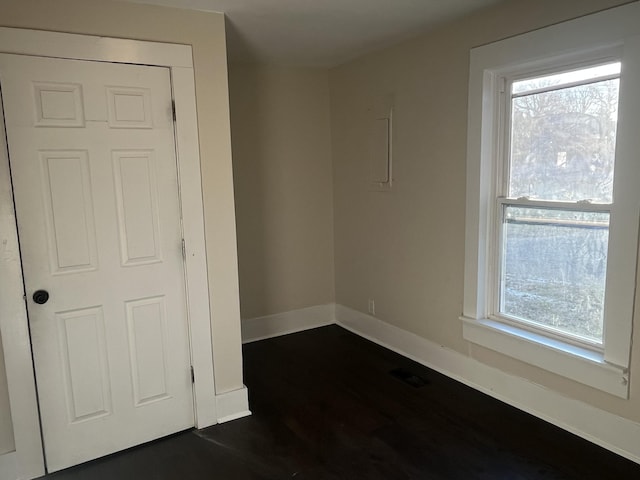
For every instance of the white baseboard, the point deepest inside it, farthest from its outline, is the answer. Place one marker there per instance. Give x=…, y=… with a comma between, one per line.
x=8, y=467
x=603, y=428
x=278, y=324
x=232, y=405
x=610, y=431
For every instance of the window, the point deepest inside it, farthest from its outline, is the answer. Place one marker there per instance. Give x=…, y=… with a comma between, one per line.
x=553, y=199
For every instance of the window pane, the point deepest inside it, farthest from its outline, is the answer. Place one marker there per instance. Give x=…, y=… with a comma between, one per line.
x=563, y=143
x=554, y=266
x=558, y=79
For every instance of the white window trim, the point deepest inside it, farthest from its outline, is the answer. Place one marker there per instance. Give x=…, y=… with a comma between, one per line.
x=565, y=43
x=27, y=461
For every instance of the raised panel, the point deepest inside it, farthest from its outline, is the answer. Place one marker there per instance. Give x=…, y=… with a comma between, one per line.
x=137, y=200
x=129, y=107
x=146, y=321
x=68, y=206
x=85, y=366
x=58, y=105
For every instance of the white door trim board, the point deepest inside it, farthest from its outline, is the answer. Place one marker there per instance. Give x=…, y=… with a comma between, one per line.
x=13, y=322
x=603, y=428
x=27, y=460
x=196, y=277
x=233, y=405
x=269, y=326
x=8, y=465
x=88, y=47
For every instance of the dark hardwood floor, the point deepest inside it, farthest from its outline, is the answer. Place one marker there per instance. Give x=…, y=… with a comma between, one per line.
x=325, y=406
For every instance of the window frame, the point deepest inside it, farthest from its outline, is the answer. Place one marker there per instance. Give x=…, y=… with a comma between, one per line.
x=610, y=35
x=504, y=99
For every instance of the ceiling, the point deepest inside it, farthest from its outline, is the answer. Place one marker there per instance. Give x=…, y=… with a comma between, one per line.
x=322, y=33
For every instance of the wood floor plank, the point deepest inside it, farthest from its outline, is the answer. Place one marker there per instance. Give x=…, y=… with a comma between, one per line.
x=326, y=406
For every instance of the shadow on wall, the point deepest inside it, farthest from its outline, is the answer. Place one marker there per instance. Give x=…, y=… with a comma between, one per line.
x=283, y=187
x=248, y=140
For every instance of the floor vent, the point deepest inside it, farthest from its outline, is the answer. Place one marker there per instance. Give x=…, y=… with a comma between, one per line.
x=408, y=377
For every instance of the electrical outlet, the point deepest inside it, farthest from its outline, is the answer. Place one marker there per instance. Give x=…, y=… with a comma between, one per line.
x=372, y=306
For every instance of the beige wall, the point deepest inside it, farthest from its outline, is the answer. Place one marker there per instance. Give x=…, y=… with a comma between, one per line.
x=405, y=249
x=282, y=176
x=206, y=33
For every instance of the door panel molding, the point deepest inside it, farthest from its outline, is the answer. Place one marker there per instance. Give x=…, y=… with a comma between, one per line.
x=29, y=459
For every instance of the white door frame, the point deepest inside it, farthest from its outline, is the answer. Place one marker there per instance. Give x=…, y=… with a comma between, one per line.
x=27, y=461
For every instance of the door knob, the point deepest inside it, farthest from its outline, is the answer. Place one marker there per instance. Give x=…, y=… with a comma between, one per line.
x=40, y=296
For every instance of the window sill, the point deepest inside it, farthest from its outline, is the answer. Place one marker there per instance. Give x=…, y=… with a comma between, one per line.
x=570, y=361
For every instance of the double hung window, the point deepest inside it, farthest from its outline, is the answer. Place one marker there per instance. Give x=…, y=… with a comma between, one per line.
x=554, y=200
x=553, y=197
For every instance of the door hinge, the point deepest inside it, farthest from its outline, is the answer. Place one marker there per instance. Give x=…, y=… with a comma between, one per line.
x=184, y=250
x=173, y=109
x=193, y=375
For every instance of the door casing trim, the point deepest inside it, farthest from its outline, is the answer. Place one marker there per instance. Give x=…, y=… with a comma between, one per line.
x=29, y=458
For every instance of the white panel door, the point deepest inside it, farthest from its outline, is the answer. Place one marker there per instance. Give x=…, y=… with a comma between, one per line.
x=93, y=165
